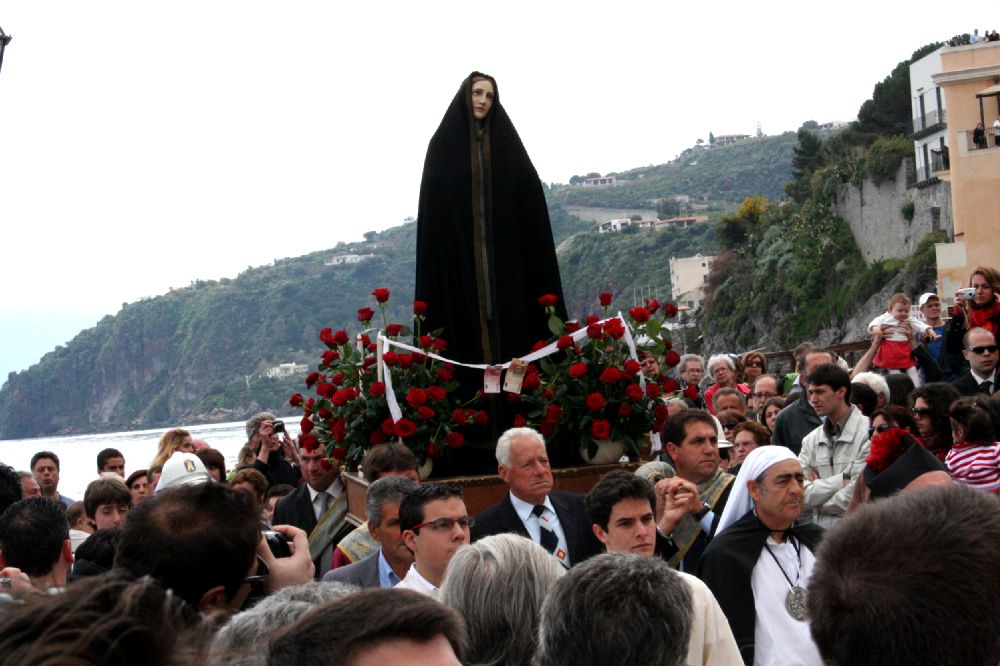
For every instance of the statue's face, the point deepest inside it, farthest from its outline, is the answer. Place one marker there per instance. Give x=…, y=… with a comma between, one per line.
x=482, y=98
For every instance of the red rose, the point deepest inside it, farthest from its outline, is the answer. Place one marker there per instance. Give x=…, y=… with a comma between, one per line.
x=419, y=308
x=605, y=298
x=390, y=358
x=691, y=392
x=376, y=390
x=426, y=342
x=418, y=357
x=661, y=411
x=460, y=416
x=638, y=314
x=631, y=368
x=549, y=393
x=405, y=428
x=392, y=330
x=564, y=342
x=624, y=410
x=520, y=421
x=432, y=450
x=325, y=413
x=443, y=375
x=326, y=337
x=595, y=332
x=595, y=402
x=531, y=380
x=309, y=442
x=614, y=328
x=670, y=386
x=652, y=305
x=425, y=413
x=591, y=320
x=325, y=464
x=365, y=341
x=365, y=314
x=416, y=397
x=571, y=327
x=309, y=404
x=548, y=300
x=670, y=310
x=673, y=358
x=600, y=429
x=326, y=389
x=668, y=345
x=481, y=418
x=339, y=453
x=547, y=428
x=513, y=398
x=296, y=400
x=329, y=356
x=553, y=413
x=312, y=379
x=435, y=393
x=610, y=375
x=405, y=361
x=440, y=345
x=389, y=427
x=454, y=440
x=541, y=344
x=634, y=392
x=653, y=390
x=368, y=362
x=337, y=379
x=376, y=438
x=340, y=338
x=342, y=397
x=381, y=295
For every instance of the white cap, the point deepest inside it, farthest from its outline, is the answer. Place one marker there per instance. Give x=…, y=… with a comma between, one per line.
x=926, y=297
x=182, y=469
x=723, y=442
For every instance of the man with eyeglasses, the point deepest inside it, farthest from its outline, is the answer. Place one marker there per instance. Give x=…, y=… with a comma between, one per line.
x=435, y=524
x=764, y=388
x=980, y=350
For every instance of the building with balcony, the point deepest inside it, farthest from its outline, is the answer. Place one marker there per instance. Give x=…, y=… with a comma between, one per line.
x=687, y=279
x=598, y=181
x=930, y=135
x=970, y=82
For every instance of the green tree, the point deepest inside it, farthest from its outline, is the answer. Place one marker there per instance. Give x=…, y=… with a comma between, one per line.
x=711, y=139
x=805, y=161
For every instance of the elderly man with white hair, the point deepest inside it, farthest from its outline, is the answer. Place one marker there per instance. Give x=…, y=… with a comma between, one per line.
x=759, y=563
x=557, y=521
x=722, y=368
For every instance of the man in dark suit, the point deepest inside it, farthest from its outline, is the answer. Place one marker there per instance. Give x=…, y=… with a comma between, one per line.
x=557, y=521
x=387, y=565
x=979, y=347
x=318, y=506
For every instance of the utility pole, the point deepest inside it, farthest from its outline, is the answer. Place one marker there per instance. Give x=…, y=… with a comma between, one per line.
x=4, y=41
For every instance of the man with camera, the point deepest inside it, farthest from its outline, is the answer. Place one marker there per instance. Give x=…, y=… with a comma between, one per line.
x=275, y=450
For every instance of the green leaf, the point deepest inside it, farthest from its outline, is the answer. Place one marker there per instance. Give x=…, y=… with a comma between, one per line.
x=555, y=325
x=653, y=327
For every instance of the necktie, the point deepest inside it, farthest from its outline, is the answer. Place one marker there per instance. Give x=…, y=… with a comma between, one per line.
x=549, y=540
x=986, y=387
x=323, y=502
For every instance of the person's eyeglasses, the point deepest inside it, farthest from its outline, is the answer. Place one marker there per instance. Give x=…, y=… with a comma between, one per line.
x=260, y=576
x=879, y=429
x=762, y=394
x=729, y=426
x=920, y=411
x=446, y=524
x=984, y=349
x=753, y=364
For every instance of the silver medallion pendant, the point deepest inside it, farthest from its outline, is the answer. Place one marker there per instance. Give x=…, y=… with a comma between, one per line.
x=795, y=603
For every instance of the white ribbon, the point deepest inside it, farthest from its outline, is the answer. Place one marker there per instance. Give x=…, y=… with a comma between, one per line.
x=384, y=345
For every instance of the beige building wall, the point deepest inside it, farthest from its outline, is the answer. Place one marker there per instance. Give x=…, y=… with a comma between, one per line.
x=974, y=173
x=687, y=279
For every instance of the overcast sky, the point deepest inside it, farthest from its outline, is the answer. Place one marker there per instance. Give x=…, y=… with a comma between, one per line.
x=147, y=144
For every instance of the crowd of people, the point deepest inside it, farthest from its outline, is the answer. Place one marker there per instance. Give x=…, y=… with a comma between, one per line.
x=974, y=38
x=833, y=514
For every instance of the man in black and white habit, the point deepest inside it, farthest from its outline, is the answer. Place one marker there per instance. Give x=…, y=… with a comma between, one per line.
x=759, y=563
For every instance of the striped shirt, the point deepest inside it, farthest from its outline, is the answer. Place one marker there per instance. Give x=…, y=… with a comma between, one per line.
x=976, y=465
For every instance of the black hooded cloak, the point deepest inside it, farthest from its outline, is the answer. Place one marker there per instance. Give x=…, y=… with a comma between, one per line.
x=727, y=565
x=484, y=243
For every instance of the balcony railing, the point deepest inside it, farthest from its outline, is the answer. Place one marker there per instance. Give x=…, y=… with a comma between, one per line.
x=929, y=120
x=986, y=141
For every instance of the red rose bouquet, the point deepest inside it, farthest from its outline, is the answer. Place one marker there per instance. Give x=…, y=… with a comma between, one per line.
x=593, y=390
x=349, y=411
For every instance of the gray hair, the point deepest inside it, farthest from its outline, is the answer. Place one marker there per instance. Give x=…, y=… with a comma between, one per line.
x=387, y=489
x=875, y=382
x=503, y=444
x=728, y=390
x=243, y=640
x=687, y=358
x=498, y=585
x=648, y=598
x=715, y=359
x=253, y=423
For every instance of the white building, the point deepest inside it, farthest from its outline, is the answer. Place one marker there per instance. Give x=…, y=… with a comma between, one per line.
x=614, y=225
x=342, y=259
x=286, y=370
x=930, y=129
x=600, y=180
x=687, y=279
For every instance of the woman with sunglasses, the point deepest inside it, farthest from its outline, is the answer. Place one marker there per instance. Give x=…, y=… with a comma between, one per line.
x=754, y=364
x=929, y=406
